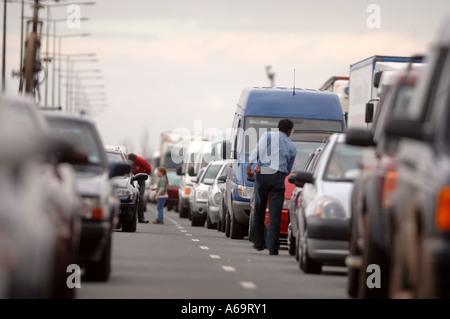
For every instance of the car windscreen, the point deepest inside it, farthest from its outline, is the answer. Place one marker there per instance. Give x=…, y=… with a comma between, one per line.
x=343, y=163
x=256, y=126
x=174, y=179
x=211, y=173
x=82, y=137
x=114, y=157
x=304, y=151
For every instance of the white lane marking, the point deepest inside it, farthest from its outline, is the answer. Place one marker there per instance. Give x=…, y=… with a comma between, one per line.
x=214, y=256
x=193, y=239
x=229, y=268
x=183, y=230
x=180, y=227
x=204, y=247
x=247, y=285
x=190, y=235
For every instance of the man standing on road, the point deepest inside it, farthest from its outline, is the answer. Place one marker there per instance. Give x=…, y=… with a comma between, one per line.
x=140, y=165
x=275, y=154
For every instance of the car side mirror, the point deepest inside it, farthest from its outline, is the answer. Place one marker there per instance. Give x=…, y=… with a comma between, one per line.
x=291, y=179
x=302, y=178
x=191, y=171
x=359, y=137
x=180, y=170
x=119, y=169
x=222, y=179
x=408, y=128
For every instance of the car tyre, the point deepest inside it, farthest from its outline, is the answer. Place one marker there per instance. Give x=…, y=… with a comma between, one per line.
x=237, y=230
x=130, y=226
x=308, y=265
x=291, y=242
x=101, y=269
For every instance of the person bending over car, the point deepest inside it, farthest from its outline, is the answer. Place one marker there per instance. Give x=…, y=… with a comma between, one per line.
x=140, y=165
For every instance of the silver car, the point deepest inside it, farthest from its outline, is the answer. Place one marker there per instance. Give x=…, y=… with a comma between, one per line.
x=324, y=211
x=214, y=199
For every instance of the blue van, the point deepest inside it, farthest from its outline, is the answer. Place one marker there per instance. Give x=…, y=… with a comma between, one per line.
x=316, y=115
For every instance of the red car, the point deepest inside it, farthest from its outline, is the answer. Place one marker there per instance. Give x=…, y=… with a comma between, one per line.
x=285, y=212
x=172, y=190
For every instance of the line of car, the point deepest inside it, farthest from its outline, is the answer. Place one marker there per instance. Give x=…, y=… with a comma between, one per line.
x=61, y=200
x=362, y=197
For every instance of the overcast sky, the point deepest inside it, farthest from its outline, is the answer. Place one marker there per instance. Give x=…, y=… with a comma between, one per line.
x=166, y=64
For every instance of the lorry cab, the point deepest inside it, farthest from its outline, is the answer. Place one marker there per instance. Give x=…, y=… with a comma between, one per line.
x=315, y=115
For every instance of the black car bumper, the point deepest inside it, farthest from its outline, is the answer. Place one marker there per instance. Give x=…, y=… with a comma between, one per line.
x=329, y=229
x=94, y=236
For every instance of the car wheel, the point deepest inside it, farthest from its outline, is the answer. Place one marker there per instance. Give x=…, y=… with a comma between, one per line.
x=219, y=225
x=130, y=226
x=182, y=212
x=101, y=269
x=297, y=245
x=196, y=220
x=372, y=254
x=291, y=242
x=399, y=287
x=237, y=230
x=308, y=265
x=227, y=223
x=353, y=272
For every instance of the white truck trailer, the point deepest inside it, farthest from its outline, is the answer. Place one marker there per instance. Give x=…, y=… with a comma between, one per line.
x=366, y=83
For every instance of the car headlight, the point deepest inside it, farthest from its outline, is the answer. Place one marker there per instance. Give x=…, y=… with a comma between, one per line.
x=245, y=191
x=92, y=208
x=286, y=203
x=123, y=192
x=329, y=208
x=216, y=198
x=202, y=196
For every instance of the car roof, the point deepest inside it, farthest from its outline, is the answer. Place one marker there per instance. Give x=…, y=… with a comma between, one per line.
x=66, y=117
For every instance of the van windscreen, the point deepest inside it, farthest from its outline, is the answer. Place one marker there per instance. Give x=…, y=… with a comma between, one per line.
x=256, y=126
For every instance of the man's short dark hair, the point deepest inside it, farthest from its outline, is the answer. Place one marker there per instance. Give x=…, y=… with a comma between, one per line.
x=285, y=125
x=131, y=157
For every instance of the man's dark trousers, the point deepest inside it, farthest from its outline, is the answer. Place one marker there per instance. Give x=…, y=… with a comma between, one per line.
x=268, y=187
x=141, y=200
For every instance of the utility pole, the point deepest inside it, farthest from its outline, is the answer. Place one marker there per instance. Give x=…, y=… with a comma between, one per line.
x=4, y=48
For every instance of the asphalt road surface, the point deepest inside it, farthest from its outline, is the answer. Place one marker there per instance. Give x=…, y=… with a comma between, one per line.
x=176, y=260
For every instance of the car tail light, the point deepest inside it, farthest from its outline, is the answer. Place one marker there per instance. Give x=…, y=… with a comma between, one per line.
x=187, y=191
x=389, y=187
x=92, y=208
x=443, y=209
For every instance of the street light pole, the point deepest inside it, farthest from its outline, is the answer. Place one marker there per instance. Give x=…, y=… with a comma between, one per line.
x=4, y=48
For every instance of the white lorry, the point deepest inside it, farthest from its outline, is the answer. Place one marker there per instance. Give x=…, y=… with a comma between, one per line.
x=367, y=80
x=338, y=85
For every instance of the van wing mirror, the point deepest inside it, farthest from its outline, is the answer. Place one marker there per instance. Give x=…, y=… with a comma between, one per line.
x=369, y=112
x=180, y=170
x=191, y=171
x=359, y=137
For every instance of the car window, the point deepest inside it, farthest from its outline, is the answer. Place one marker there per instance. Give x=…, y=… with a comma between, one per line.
x=81, y=136
x=211, y=173
x=320, y=160
x=343, y=164
x=115, y=157
x=304, y=151
x=174, y=179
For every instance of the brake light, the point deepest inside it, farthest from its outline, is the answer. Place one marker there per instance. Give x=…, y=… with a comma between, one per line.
x=98, y=213
x=389, y=187
x=443, y=209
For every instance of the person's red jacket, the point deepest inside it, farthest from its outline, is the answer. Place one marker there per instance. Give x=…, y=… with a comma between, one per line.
x=141, y=166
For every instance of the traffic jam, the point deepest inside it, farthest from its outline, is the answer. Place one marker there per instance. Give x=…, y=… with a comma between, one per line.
x=346, y=185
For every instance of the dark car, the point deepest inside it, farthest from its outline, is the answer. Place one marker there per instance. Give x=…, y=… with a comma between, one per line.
x=94, y=183
x=421, y=206
x=39, y=220
x=372, y=198
x=127, y=191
